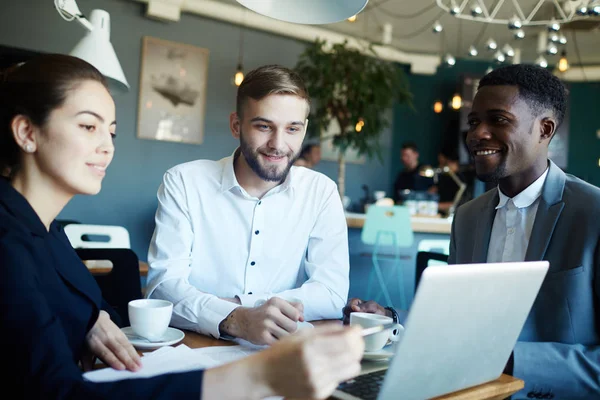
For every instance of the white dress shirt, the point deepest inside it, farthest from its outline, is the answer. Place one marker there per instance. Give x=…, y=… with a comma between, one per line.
x=513, y=223
x=212, y=239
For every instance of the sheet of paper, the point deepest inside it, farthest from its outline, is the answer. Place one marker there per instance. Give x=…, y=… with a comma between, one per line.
x=174, y=359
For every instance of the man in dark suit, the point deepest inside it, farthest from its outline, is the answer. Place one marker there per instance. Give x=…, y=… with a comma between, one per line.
x=536, y=212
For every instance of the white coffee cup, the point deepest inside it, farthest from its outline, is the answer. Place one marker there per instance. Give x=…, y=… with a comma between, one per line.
x=376, y=341
x=150, y=318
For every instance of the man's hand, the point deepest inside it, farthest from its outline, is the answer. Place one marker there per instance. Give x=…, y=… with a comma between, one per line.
x=107, y=342
x=358, y=305
x=265, y=324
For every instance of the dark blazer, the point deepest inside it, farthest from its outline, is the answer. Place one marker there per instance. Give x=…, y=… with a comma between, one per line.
x=558, y=351
x=48, y=302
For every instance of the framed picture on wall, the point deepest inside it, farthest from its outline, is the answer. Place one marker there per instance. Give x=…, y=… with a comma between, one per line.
x=172, y=97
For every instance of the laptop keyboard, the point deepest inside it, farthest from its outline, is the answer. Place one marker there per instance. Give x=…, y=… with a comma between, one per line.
x=364, y=386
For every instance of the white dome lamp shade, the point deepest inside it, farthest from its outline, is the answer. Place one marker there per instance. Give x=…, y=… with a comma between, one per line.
x=309, y=12
x=95, y=48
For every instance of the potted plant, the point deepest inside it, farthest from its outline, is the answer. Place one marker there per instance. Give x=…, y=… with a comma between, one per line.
x=355, y=89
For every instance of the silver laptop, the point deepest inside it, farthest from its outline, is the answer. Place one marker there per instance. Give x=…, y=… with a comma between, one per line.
x=460, y=330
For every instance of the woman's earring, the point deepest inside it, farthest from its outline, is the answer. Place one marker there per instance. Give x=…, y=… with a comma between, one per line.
x=28, y=148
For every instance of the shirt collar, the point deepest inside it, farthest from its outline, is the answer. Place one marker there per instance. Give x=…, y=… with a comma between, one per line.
x=229, y=180
x=527, y=197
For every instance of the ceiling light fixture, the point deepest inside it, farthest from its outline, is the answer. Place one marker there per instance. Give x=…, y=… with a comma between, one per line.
x=491, y=44
x=563, y=63
x=449, y=59
x=473, y=51
x=519, y=34
x=514, y=23
x=515, y=15
x=541, y=61
x=297, y=11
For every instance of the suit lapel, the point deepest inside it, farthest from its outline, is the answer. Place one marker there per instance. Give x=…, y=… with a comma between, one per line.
x=483, y=230
x=548, y=213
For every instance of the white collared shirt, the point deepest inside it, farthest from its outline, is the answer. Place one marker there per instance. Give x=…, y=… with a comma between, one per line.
x=212, y=239
x=513, y=223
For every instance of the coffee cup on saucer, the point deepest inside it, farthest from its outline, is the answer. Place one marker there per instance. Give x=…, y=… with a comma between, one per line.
x=376, y=341
x=150, y=318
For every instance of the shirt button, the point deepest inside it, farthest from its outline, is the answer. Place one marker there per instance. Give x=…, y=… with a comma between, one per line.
x=511, y=231
x=249, y=292
x=256, y=232
x=259, y=203
x=252, y=263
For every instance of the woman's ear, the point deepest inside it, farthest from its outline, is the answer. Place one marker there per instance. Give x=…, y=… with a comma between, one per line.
x=24, y=133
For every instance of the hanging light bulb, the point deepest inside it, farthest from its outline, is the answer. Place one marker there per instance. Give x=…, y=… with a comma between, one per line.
x=239, y=76
x=563, y=63
x=499, y=56
x=554, y=37
x=553, y=26
x=449, y=59
x=514, y=23
x=519, y=34
x=473, y=51
x=476, y=10
x=352, y=18
x=541, y=61
x=456, y=102
x=491, y=44
x=582, y=10
x=508, y=50
x=551, y=49
x=359, y=125
x=562, y=39
x=438, y=107
x=437, y=27
x=454, y=8
x=490, y=69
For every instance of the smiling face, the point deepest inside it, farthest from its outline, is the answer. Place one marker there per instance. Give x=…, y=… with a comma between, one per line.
x=75, y=146
x=271, y=133
x=506, y=138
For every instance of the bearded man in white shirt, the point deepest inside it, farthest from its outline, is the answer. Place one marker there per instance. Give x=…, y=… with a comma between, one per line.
x=537, y=212
x=250, y=246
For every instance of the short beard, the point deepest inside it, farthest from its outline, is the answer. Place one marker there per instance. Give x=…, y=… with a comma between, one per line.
x=495, y=176
x=266, y=174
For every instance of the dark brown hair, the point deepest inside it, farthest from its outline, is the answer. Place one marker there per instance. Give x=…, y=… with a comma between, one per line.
x=267, y=80
x=34, y=89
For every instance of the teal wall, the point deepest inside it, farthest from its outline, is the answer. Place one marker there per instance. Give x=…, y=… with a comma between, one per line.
x=427, y=128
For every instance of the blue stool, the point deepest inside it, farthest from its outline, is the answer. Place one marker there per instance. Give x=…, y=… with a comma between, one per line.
x=387, y=226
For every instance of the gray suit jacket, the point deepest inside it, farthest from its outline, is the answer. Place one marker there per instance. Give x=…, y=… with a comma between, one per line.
x=558, y=351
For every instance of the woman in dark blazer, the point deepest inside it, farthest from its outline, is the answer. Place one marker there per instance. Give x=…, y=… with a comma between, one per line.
x=57, y=124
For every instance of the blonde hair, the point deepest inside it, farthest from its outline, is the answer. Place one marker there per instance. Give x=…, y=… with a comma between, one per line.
x=270, y=79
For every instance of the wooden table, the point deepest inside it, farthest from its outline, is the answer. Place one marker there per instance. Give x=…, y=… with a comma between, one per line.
x=499, y=389
x=102, y=267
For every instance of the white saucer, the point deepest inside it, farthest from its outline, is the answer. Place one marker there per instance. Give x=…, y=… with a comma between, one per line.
x=172, y=336
x=380, y=355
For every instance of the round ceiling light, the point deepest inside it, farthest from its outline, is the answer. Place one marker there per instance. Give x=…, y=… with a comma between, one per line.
x=309, y=12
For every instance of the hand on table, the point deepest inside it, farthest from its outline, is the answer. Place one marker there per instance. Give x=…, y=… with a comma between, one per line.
x=107, y=342
x=265, y=324
x=358, y=305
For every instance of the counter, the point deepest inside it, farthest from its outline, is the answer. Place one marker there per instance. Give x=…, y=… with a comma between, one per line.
x=419, y=224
